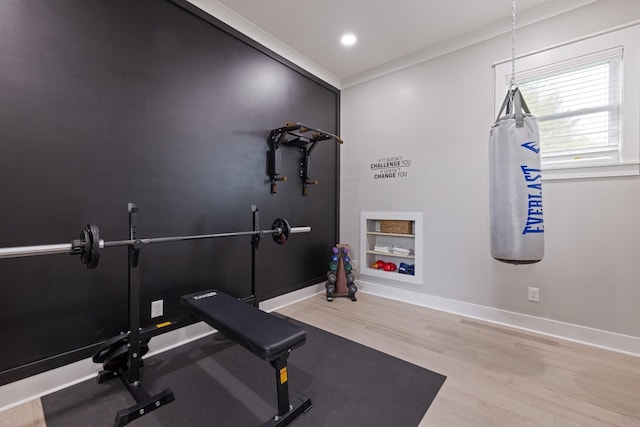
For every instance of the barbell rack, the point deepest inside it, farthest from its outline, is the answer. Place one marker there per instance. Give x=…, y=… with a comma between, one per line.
x=89, y=247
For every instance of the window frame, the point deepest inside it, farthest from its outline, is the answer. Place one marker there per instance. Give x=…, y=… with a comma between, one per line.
x=626, y=39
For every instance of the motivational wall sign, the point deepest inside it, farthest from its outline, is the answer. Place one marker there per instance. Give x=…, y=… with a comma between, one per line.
x=393, y=167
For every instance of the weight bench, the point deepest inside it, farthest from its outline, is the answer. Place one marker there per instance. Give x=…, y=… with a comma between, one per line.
x=263, y=334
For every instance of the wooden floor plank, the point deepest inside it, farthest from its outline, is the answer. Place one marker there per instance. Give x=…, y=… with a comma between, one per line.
x=26, y=415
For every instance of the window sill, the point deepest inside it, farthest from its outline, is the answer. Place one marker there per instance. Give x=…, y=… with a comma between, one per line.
x=590, y=171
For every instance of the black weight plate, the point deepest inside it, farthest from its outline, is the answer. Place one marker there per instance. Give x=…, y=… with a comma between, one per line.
x=283, y=225
x=109, y=345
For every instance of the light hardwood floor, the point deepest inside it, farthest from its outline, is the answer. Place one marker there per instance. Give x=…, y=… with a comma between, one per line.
x=496, y=376
x=27, y=415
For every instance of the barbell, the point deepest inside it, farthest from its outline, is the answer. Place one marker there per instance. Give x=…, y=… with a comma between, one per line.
x=89, y=245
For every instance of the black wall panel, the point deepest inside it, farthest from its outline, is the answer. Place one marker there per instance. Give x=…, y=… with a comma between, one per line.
x=105, y=102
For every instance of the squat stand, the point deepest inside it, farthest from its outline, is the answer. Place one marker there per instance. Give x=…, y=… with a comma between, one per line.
x=123, y=354
x=130, y=374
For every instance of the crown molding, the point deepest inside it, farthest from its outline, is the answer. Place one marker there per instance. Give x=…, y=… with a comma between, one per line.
x=239, y=23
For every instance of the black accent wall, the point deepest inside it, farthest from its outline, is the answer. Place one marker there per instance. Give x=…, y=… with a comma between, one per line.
x=105, y=102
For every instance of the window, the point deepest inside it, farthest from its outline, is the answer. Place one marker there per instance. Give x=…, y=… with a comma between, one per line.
x=578, y=93
x=578, y=110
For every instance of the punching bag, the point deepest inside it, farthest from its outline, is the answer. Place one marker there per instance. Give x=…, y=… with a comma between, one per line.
x=515, y=184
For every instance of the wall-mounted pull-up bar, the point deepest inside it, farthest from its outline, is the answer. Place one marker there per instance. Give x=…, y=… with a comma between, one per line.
x=303, y=137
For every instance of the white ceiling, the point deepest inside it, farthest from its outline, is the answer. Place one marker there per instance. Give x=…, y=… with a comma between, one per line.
x=387, y=30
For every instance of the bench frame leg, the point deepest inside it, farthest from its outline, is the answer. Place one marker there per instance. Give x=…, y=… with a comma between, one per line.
x=286, y=412
x=282, y=383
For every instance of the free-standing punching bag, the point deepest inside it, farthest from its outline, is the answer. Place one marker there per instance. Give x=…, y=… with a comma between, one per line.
x=515, y=184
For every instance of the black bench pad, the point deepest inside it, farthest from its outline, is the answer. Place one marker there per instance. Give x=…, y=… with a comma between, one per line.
x=261, y=333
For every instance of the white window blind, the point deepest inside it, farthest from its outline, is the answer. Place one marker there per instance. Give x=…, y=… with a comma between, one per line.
x=579, y=109
x=586, y=96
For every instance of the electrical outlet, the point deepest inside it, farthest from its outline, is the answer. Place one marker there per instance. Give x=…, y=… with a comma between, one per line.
x=156, y=308
x=354, y=264
x=534, y=294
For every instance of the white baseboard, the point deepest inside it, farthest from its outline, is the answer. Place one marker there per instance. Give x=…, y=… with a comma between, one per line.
x=277, y=303
x=27, y=389
x=594, y=337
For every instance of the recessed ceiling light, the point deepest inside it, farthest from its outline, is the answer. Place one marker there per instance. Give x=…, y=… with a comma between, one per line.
x=348, y=40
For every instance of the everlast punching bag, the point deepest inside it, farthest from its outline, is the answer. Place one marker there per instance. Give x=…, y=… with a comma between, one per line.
x=515, y=184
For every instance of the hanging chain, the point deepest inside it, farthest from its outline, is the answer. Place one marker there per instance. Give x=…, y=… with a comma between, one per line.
x=513, y=44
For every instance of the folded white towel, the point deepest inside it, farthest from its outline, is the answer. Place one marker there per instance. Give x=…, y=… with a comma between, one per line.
x=401, y=251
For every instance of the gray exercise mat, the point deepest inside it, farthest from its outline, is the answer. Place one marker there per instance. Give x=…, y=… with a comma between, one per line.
x=217, y=382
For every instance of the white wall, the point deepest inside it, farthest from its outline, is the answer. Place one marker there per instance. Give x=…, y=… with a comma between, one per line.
x=438, y=114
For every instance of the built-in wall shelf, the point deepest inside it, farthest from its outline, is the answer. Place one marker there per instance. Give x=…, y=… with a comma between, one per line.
x=403, y=246
x=391, y=254
x=379, y=233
